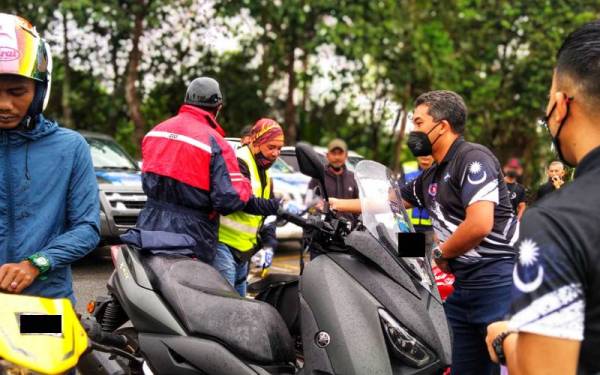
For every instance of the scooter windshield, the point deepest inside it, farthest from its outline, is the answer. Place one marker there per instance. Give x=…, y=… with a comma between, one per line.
x=384, y=215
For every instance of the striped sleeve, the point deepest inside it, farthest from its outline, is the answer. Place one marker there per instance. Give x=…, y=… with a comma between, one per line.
x=479, y=178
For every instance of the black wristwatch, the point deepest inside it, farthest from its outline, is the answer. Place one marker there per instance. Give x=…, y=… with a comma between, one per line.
x=498, y=347
x=437, y=253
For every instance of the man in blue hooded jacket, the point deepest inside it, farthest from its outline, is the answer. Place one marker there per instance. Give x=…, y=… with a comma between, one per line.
x=49, y=210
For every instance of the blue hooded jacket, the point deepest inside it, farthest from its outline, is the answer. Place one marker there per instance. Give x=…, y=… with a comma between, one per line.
x=48, y=202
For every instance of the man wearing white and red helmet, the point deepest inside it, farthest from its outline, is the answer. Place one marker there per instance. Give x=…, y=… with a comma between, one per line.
x=49, y=209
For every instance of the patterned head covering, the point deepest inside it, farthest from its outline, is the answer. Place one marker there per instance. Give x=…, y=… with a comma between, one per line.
x=266, y=130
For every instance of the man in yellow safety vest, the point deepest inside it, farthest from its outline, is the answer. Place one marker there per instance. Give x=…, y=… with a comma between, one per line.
x=239, y=232
x=419, y=216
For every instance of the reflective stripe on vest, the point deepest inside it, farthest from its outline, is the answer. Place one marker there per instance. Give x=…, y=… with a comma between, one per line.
x=419, y=217
x=239, y=229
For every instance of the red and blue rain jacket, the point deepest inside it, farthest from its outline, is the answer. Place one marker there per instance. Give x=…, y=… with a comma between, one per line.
x=190, y=175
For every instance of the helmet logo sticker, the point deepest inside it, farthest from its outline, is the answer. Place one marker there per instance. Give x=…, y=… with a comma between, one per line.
x=8, y=54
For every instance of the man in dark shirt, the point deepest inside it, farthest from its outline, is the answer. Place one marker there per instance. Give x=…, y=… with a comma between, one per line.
x=339, y=181
x=468, y=201
x=516, y=191
x=555, y=323
x=556, y=179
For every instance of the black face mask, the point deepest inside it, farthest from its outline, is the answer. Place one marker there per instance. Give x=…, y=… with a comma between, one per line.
x=512, y=174
x=419, y=143
x=556, y=139
x=262, y=161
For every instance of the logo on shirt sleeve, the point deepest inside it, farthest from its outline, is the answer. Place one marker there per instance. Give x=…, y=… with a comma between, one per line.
x=476, y=173
x=528, y=267
x=433, y=189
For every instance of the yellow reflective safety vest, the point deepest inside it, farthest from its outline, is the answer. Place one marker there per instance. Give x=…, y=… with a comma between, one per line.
x=239, y=230
x=418, y=216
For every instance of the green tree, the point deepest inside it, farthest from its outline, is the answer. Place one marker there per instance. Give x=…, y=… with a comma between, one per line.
x=506, y=69
x=288, y=36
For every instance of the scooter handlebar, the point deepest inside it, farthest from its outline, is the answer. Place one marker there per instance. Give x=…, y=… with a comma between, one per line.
x=292, y=218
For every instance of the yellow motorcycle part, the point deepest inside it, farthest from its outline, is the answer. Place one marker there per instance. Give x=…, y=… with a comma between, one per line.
x=46, y=353
x=264, y=273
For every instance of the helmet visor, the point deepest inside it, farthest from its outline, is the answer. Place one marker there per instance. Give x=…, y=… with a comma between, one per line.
x=22, y=51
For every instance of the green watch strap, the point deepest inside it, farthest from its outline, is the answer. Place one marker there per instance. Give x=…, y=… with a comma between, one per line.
x=40, y=262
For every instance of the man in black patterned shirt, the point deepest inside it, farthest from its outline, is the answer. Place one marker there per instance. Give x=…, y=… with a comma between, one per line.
x=467, y=199
x=555, y=315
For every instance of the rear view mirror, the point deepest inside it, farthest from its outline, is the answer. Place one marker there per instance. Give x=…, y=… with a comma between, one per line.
x=310, y=164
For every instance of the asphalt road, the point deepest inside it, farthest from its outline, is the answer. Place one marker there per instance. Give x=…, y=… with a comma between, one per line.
x=91, y=273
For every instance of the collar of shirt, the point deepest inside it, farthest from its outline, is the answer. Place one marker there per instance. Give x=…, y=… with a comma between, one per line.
x=453, y=150
x=590, y=162
x=202, y=115
x=332, y=173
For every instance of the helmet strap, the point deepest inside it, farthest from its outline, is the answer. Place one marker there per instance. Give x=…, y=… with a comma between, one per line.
x=26, y=124
x=35, y=108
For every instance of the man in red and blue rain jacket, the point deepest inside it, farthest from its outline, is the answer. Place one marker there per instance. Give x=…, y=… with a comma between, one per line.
x=190, y=172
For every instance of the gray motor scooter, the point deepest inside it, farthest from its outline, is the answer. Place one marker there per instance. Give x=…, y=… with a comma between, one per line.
x=359, y=307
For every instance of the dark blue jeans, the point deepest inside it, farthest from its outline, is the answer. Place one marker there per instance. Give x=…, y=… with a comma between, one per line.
x=236, y=273
x=469, y=311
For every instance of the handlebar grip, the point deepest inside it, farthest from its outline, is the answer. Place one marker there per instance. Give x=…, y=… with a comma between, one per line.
x=295, y=219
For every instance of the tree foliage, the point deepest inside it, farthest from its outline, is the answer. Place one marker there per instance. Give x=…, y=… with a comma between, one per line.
x=497, y=54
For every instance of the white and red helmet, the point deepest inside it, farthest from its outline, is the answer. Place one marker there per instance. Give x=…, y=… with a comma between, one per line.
x=24, y=53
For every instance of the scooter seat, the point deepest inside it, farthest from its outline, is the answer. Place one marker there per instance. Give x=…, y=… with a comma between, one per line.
x=209, y=306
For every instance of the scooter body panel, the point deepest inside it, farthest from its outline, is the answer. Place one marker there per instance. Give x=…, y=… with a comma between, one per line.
x=422, y=313
x=343, y=293
x=144, y=307
x=190, y=356
x=424, y=317
x=195, y=355
x=347, y=313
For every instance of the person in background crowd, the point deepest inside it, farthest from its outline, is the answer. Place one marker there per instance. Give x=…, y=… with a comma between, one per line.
x=49, y=207
x=242, y=234
x=554, y=325
x=246, y=135
x=556, y=179
x=419, y=216
x=339, y=181
x=518, y=194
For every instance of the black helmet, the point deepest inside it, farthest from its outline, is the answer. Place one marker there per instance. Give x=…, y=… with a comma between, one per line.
x=204, y=92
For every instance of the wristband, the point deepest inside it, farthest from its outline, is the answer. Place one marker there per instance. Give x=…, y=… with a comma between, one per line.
x=498, y=347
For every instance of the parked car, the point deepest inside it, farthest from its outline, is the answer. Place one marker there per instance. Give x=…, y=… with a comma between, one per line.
x=119, y=186
x=289, y=185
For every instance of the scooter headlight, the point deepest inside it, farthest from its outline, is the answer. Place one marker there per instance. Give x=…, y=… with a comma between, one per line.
x=404, y=345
